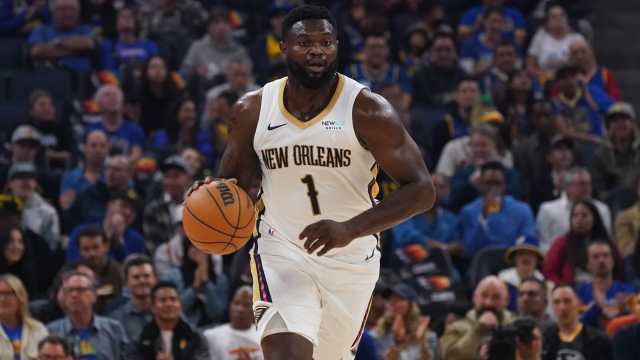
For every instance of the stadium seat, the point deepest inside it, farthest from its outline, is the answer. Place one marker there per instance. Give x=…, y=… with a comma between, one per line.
x=56, y=82
x=13, y=53
x=489, y=261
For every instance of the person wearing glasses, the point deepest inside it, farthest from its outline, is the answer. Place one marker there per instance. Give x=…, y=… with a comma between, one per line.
x=19, y=332
x=91, y=337
x=54, y=347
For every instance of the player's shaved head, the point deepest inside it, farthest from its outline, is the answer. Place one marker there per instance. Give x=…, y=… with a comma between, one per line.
x=490, y=294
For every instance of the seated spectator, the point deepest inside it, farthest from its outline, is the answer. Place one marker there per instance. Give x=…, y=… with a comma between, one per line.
x=625, y=343
x=627, y=226
x=414, y=47
x=54, y=347
x=376, y=67
x=124, y=136
x=554, y=216
x=476, y=53
x=183, y=132
x=64, y=42
x=434, y=83
x=393, y=93
x=24, y=148
x=463, y=338
x=197, y=162
x=265, y=49
x=520, y=96
x=457, y=153
x=95, y=337
x=185, y=17
x=239, y=337
x=570, y=337
x=549, y=48
x=237, y=79
x=128, y=49
x=163, y=214
x=18, y=19
x=578, y=111
x=526, y=258
x=566, y=260
x=37, y=215
x=91, y=204
x=436, y=227
x=123, y=240
x=56, y=135
x=204, y=288
x=94, y=252
x=559, y=160
x=604, y=297
x=494, y=219
x=19, y=332
x=581, y=55
x=455, y=123
x=532, y=301
x=528, y=335
x=218, y=114
x=403, y=332
x=140, y=278
x=614, y=168
x=208, y=56
x=74, y=182
x=494, y=81
x=486, y=146
x=154, y=94
x=17, y=258
x=168, y=336
x=515, y=24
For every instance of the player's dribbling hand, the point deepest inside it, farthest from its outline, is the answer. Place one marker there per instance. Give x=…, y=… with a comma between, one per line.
x=325, y=235
x=207, y=180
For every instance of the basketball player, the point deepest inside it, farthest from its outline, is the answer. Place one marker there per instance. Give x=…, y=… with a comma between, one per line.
x=316, y=138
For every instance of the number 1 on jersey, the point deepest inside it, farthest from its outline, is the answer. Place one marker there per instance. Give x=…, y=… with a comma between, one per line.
x=312, y=193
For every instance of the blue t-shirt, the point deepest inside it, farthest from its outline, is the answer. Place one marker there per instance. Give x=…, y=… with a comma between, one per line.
x=442, y=228
x=133, y=243
x=396, y=74
x=586, y=114
x=124, y=138
x=115, y=54
x=474, y=49
x=85, y=350
x=15, y=338
x=47, y=33
x=74, y=180
x=513, y=18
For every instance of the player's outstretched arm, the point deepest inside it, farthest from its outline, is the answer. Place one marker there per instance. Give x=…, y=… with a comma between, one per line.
x=239, y=160
x=379, y=129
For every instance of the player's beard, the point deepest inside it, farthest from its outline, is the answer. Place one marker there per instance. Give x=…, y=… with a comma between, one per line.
x=301, y=75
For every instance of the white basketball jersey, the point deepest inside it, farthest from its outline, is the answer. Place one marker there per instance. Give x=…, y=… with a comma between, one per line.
x=313, y=170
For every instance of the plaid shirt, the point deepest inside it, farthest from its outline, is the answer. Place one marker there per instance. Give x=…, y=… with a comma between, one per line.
x=157, y=223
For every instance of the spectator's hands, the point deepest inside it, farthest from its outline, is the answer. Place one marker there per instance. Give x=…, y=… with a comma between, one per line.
x=115, y=226
x=77, y=43
x=325, y=235
x=398, y=330
x=423, y=329
x=488, y=320
x=67, y=199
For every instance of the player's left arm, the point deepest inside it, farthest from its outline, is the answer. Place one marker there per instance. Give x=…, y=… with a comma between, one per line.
x=379, y=129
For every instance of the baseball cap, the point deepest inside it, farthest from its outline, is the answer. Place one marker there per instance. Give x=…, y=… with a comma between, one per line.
x=621, y=108
x=175, y=162
x=11, y=203
x=25, y=133
x=404, y=291
x=493, y=116
x=22, y=168
x=524, y=243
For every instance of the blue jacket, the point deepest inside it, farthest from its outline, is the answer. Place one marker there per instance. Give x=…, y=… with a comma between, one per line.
x=514, y=219
x=594, y=313
x=418, y=229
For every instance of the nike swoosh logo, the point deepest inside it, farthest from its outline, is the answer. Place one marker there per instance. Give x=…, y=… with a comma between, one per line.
x=269, y=127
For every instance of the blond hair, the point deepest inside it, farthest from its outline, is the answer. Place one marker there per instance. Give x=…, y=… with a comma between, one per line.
x=23, y=299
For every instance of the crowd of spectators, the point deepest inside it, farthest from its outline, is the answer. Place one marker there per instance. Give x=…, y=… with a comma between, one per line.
x=109, y=109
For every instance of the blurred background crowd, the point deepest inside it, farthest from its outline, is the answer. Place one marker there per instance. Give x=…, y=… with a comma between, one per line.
x=523, y=110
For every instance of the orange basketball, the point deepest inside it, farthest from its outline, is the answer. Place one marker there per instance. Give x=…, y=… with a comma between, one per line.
x=218, y=217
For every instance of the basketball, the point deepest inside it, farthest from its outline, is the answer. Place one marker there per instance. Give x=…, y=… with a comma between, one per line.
x=218, y=217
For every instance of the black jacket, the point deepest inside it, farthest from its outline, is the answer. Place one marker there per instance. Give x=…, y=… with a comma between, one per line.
x=187, y=343
x=596, y=345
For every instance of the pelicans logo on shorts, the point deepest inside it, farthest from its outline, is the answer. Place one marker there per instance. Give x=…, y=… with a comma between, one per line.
x=258, y=311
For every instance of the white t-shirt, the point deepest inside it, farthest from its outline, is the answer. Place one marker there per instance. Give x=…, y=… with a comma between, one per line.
x=167, y=337
x=225, y=342
x=551, y=53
